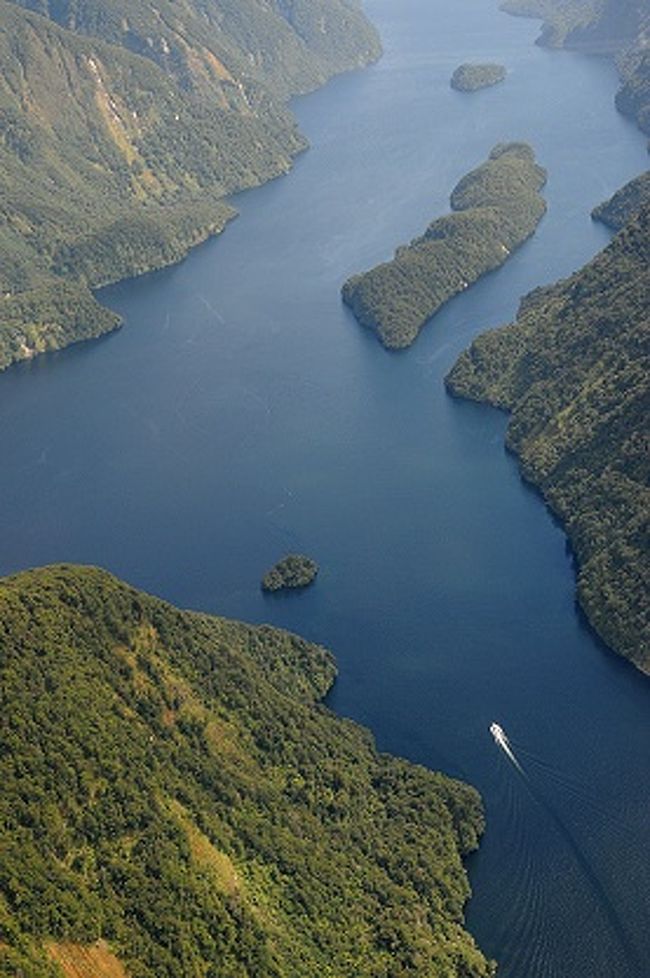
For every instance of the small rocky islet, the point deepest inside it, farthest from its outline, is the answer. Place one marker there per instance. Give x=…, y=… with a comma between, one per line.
x=472, y=77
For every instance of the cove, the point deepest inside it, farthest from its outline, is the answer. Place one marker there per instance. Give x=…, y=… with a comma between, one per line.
x=242, y=413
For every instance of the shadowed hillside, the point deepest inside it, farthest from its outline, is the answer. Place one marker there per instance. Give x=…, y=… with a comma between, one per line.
x=573, y=371
x=620, y=28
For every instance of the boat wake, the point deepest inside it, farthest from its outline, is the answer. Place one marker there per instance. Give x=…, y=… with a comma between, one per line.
x=598, y=890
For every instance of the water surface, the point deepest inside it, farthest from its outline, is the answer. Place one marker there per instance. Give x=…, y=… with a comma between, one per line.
x=242, y=413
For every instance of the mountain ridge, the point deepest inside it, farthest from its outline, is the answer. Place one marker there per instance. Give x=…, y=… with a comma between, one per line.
x=122, y=135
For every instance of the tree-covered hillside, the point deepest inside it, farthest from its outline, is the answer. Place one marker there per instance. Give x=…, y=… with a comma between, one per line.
x=633, y=98
x=174, y=797
x=495, y=208
x=597, y=25
x=625, y=203
x=573, y=371
x=615, y=27
x=287, y=46
x=123, y=125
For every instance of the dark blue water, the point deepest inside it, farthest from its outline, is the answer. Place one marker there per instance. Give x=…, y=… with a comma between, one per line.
x=242, y=413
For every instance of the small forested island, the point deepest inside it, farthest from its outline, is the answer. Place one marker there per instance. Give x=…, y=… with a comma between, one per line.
x=573, y=371
x=123, y=128
x=471, y=77
x=293, y=571
x=495, y=208
x=177, y=801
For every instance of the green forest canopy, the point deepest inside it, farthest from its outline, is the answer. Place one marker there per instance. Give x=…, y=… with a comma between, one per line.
x=495, y=208
x=124, y=125
x=573, y=371
x=171, y=782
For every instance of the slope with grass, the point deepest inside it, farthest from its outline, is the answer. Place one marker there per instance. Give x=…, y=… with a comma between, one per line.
x=124, y=126
x=176, y=801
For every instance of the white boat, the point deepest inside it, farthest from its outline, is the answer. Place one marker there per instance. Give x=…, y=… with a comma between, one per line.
x=498, y=733
x=501, y=740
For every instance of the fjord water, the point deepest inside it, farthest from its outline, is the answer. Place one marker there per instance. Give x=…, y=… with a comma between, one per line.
x=242, y=413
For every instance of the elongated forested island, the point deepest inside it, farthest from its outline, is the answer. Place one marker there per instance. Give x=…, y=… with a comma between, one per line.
x=176, y=801
x=124, y=125
x=293, y=571
x=471, y=77
x=573, y=371
x=495, y=208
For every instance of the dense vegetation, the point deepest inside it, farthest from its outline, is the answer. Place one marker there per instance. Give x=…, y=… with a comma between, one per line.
x=597, y=25
x=573, y=370
x=123, y=126
x=471, y=77
x=633, y=98
x=171, y=784
x=294, y=570
x=625, y=203
x=496, y=208
x=615, y=27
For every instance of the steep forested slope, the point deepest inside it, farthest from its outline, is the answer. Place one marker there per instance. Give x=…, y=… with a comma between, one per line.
x=174, y=797
x=615, y=27
x=496, y=207
x=285, y=45
x=560, y=16
x=633, y=98
x=123, y=125
x=597, y=25
x=625, y=203
x=573, y=370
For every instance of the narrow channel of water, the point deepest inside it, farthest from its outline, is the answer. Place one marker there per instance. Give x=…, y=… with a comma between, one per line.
x=242, y=413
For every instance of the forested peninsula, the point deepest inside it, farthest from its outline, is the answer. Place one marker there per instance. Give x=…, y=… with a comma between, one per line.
x=625, y=203
x=176, y=800
x=472, y=77
x=495, y=209
x=123, y=128
x=573, y=371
